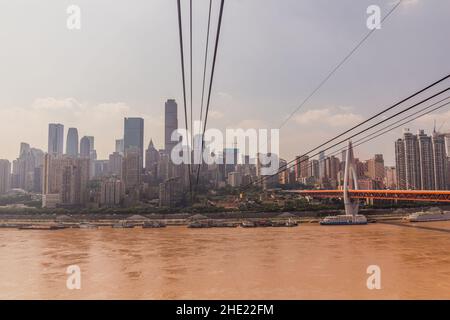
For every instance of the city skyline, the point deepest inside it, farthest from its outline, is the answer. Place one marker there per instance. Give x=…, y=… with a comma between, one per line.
x=244, y=96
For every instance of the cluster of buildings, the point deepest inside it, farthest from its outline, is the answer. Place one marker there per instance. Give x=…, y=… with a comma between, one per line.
x=327, y=172
x=133, y=175
x=69, y=174
x=422, y=161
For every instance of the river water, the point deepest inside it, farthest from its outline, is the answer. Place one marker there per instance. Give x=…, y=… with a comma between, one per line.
x=306, y=262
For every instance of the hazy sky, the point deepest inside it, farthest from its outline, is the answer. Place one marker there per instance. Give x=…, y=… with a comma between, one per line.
x=125, y=62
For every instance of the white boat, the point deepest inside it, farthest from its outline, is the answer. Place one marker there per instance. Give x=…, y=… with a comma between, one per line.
x=433, y=214
x=86, y=225
x=345, y=219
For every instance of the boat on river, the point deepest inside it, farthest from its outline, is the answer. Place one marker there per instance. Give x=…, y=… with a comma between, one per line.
x=344, y=219
x=153, y=224
x=433, y=214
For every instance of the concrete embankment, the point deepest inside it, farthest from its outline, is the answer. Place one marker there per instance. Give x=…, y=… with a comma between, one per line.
x=105, y=219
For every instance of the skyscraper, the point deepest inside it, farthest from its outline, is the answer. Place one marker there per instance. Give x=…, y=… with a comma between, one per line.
x=426, y=161
x=447, y=143
x=72, y=142
x=400, y=164
x=85, y=147
x=439, y=162
x=421, y=162
x=55, y=139
x=151, y=157
x=5, y=176
x=170, y=125
x=133, y=136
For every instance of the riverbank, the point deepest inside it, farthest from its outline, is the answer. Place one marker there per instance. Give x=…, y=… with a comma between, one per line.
x=176, y=219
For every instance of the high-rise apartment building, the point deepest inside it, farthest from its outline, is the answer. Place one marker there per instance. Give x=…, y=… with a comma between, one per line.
x=65, y=181
x=439, y=162
x=55, y=139
x=421, y=161
x=426, y=161
x=72, y=142
x=390, y=177
x=375, y=167
x=5, y=176
x=301, y=167
x=111, y=192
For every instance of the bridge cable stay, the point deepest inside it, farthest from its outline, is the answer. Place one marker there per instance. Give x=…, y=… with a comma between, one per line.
x=362, y=123
x=365, y=121
x=180, y=31
x=208, y=101
x=283, y=168
x=204, y=80
x=339, y=65
x=190, y=71
x=205, y=59
x=377, y=133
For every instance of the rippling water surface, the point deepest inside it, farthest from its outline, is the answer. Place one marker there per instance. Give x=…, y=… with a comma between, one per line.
x=307, y=262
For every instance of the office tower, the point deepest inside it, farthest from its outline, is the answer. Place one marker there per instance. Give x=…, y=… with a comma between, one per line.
x=55, y=139
x=151, y=156
x=119, y=146
x=5, y=176
x=85, y=147
x=375, y=167
x=131, y=169
x=426, y=165
x=65, y=181
x=134, y=136
x=439, y=162
x=72, y=142
x=115, y=164
x=170, y=124
x=111, y=192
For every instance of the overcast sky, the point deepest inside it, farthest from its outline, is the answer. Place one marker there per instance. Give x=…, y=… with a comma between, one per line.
x=125, y=62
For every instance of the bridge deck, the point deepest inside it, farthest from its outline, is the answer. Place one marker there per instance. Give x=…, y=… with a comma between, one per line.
x=404, y=195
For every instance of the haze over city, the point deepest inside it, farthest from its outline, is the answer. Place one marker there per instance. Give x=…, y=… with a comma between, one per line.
x=272, y=54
